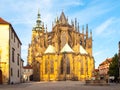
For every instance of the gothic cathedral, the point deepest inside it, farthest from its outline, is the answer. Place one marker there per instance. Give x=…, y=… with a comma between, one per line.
x=65, y=53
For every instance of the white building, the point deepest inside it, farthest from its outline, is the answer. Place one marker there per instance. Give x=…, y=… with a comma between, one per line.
x=10, y=54
x=22, y=71
x=27, y=73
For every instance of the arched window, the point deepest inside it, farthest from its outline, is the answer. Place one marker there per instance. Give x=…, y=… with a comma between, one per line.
x=82, y=67
x=68, y=66
x=61, y=66
x=51, y=66
x=46, y=66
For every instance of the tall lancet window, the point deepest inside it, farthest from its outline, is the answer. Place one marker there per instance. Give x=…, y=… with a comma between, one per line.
x=51, y=66
x=61, y=66
x=68, y=65
x=46, y=66
x=82, y=67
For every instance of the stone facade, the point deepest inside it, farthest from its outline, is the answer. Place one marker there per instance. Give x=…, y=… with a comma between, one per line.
x=10, y=54
x=65, y=53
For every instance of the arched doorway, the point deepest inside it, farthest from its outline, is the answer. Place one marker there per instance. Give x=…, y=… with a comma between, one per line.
x=0, y=76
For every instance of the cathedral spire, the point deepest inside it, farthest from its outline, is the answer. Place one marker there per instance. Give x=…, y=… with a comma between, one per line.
x=78, y=28
x=76, y=24
x=91, y=33
x=63, y=19
x=46, y=28
x=83, y=29
x=86, y=30
x=38, y=21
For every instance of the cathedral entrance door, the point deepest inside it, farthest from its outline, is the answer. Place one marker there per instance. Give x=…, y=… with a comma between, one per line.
x=0, y=77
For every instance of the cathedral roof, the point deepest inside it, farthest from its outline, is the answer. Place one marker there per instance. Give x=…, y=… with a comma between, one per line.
x=82, y=50
x=63, y=19
x=66, y=48
x=50, y=49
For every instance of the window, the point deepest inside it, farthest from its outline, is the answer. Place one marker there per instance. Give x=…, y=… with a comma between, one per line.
x=13, y=52
x=46, y=66
x=18, y=73
x=51, y=66
x=61, y=66
x=18, y=56
x=11, y=72
x=82, y=66
x=68, y=66
x=82, y=71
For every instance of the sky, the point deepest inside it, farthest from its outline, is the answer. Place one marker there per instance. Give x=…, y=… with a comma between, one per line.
x=102, y=17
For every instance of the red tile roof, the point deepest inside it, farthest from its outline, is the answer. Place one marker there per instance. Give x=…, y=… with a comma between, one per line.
x=27, y=67
x=108, y=60
x=2, y=21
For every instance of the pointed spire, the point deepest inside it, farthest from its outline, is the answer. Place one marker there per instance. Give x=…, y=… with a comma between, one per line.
x=91, y=33
x=72, y=22
x=83, y=29
x=78, y=28
x=57, y=21
x=63, y=19
x=38, y=21
x=43, y=26
x=76, y=24
x=86, y=30
x=46, y=28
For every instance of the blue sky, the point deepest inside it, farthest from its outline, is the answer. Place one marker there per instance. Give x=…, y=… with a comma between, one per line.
x=102, y=16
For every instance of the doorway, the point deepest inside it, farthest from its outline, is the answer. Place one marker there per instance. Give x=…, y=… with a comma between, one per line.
x=0, y=76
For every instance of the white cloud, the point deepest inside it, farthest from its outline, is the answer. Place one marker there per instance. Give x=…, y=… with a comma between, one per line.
x=73, y=3
x=101, y=28
x=92, y=11
x=24, y=47
x=97, y=53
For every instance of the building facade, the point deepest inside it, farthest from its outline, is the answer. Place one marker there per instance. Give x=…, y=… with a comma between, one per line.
x=10, y=54
x=104, y=68
x=27, y=73
x=64, y=53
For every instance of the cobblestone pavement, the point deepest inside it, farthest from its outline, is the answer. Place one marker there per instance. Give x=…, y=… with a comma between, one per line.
x=61, y=85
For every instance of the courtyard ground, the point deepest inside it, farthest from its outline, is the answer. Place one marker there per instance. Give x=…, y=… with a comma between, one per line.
x=61, y=85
